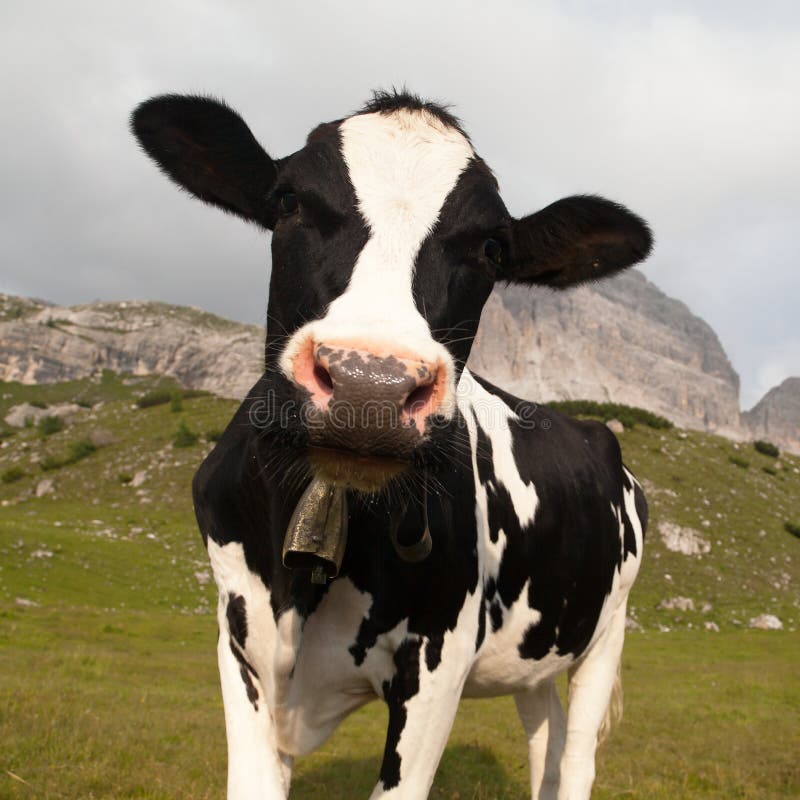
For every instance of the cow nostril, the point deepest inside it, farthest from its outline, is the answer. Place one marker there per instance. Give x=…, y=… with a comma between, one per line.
x=323, y=379
x=418, y=398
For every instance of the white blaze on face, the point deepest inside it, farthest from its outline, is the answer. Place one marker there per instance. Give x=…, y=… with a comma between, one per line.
x=402, y=166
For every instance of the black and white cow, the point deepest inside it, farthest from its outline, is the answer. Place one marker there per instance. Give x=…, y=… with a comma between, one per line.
x=388, y=235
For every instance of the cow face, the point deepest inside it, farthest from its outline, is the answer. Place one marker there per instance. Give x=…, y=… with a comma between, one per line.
x=388, y=235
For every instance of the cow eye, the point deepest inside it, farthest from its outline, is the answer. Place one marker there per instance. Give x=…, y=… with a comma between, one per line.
x=493, y=250
x=288, y=203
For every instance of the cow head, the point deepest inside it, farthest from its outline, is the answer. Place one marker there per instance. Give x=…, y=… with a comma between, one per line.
x=388, y=235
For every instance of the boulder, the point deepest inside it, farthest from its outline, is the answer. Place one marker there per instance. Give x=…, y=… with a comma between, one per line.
x=683, y=540
x=766, y=622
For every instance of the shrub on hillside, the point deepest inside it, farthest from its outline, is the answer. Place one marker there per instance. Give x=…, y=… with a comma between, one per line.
x=214, y=435
x=766, y=448
x=80, y=449
x=50, y=425
x=77, y=451
x=38, y=403
x=793, y=528
x=770, y=470
x=160, y=397
x=157, y=397
x=629, y=416
x=12, y=475
x=183, y=436
x=124, y=478
x=6, y=433
x=52, y=462
x=739, y=461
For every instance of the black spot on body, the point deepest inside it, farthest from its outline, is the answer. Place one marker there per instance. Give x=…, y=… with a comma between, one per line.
x=496, y=614
x=236, y=613
x=641, y=507
x=247, y=672
x=629, y=536
x=402, y=687
x=481, y=623
x=433, y=652
x=252, y=692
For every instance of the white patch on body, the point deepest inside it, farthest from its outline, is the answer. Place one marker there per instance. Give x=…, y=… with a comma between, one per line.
x=494, y=417
x=322, y=684
x=402, y=166
x=630, y=567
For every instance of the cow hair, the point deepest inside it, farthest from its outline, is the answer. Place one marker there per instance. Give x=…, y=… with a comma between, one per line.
x=388, y=101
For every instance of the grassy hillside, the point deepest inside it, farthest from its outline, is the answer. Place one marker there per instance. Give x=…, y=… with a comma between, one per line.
x=108, y=684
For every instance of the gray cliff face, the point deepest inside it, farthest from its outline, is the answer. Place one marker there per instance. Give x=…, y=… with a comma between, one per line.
x=622, y=340
x=43, y=344
x=776, y=417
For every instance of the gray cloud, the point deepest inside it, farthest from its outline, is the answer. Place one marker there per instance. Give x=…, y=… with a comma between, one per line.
x=686, y=112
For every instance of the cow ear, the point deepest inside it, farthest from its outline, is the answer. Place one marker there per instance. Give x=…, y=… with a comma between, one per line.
x=206, y=148
x=576, y=239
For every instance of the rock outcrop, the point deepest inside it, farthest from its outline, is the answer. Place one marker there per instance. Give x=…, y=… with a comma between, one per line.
x=41, y=343
x=776, y=417
x=622, y=340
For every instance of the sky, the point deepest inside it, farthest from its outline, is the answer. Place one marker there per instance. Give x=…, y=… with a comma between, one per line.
x=688, y=113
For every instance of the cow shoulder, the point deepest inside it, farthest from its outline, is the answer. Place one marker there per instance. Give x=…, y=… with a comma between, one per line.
x=559, y=454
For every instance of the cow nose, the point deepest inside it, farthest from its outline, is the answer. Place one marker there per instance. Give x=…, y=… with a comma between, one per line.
x=364, y=379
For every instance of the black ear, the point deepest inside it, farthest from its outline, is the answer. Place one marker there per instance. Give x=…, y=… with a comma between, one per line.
x=576, y=239
x=206, y=148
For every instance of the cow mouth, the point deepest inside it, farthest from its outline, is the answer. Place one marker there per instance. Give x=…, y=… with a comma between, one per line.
x=352, y=470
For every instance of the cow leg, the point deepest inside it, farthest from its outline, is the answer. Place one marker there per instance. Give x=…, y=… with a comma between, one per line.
x=591, y=684
x=422, y=704
x=545, y=725
x=257, y=769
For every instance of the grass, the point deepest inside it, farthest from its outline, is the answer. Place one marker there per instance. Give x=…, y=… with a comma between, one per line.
x=134, y=711
x=108, y=684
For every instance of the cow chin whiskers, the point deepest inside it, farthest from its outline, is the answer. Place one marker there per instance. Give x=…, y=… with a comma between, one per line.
x=284, y=468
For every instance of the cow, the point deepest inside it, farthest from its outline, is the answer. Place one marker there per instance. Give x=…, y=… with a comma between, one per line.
x=382, y=523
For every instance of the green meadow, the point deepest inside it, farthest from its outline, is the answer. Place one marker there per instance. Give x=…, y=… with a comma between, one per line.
x=108, y=683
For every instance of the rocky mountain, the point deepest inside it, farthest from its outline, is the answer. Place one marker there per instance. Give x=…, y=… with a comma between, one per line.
x=42, y=343
x=622, y=340
x=776, y=417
